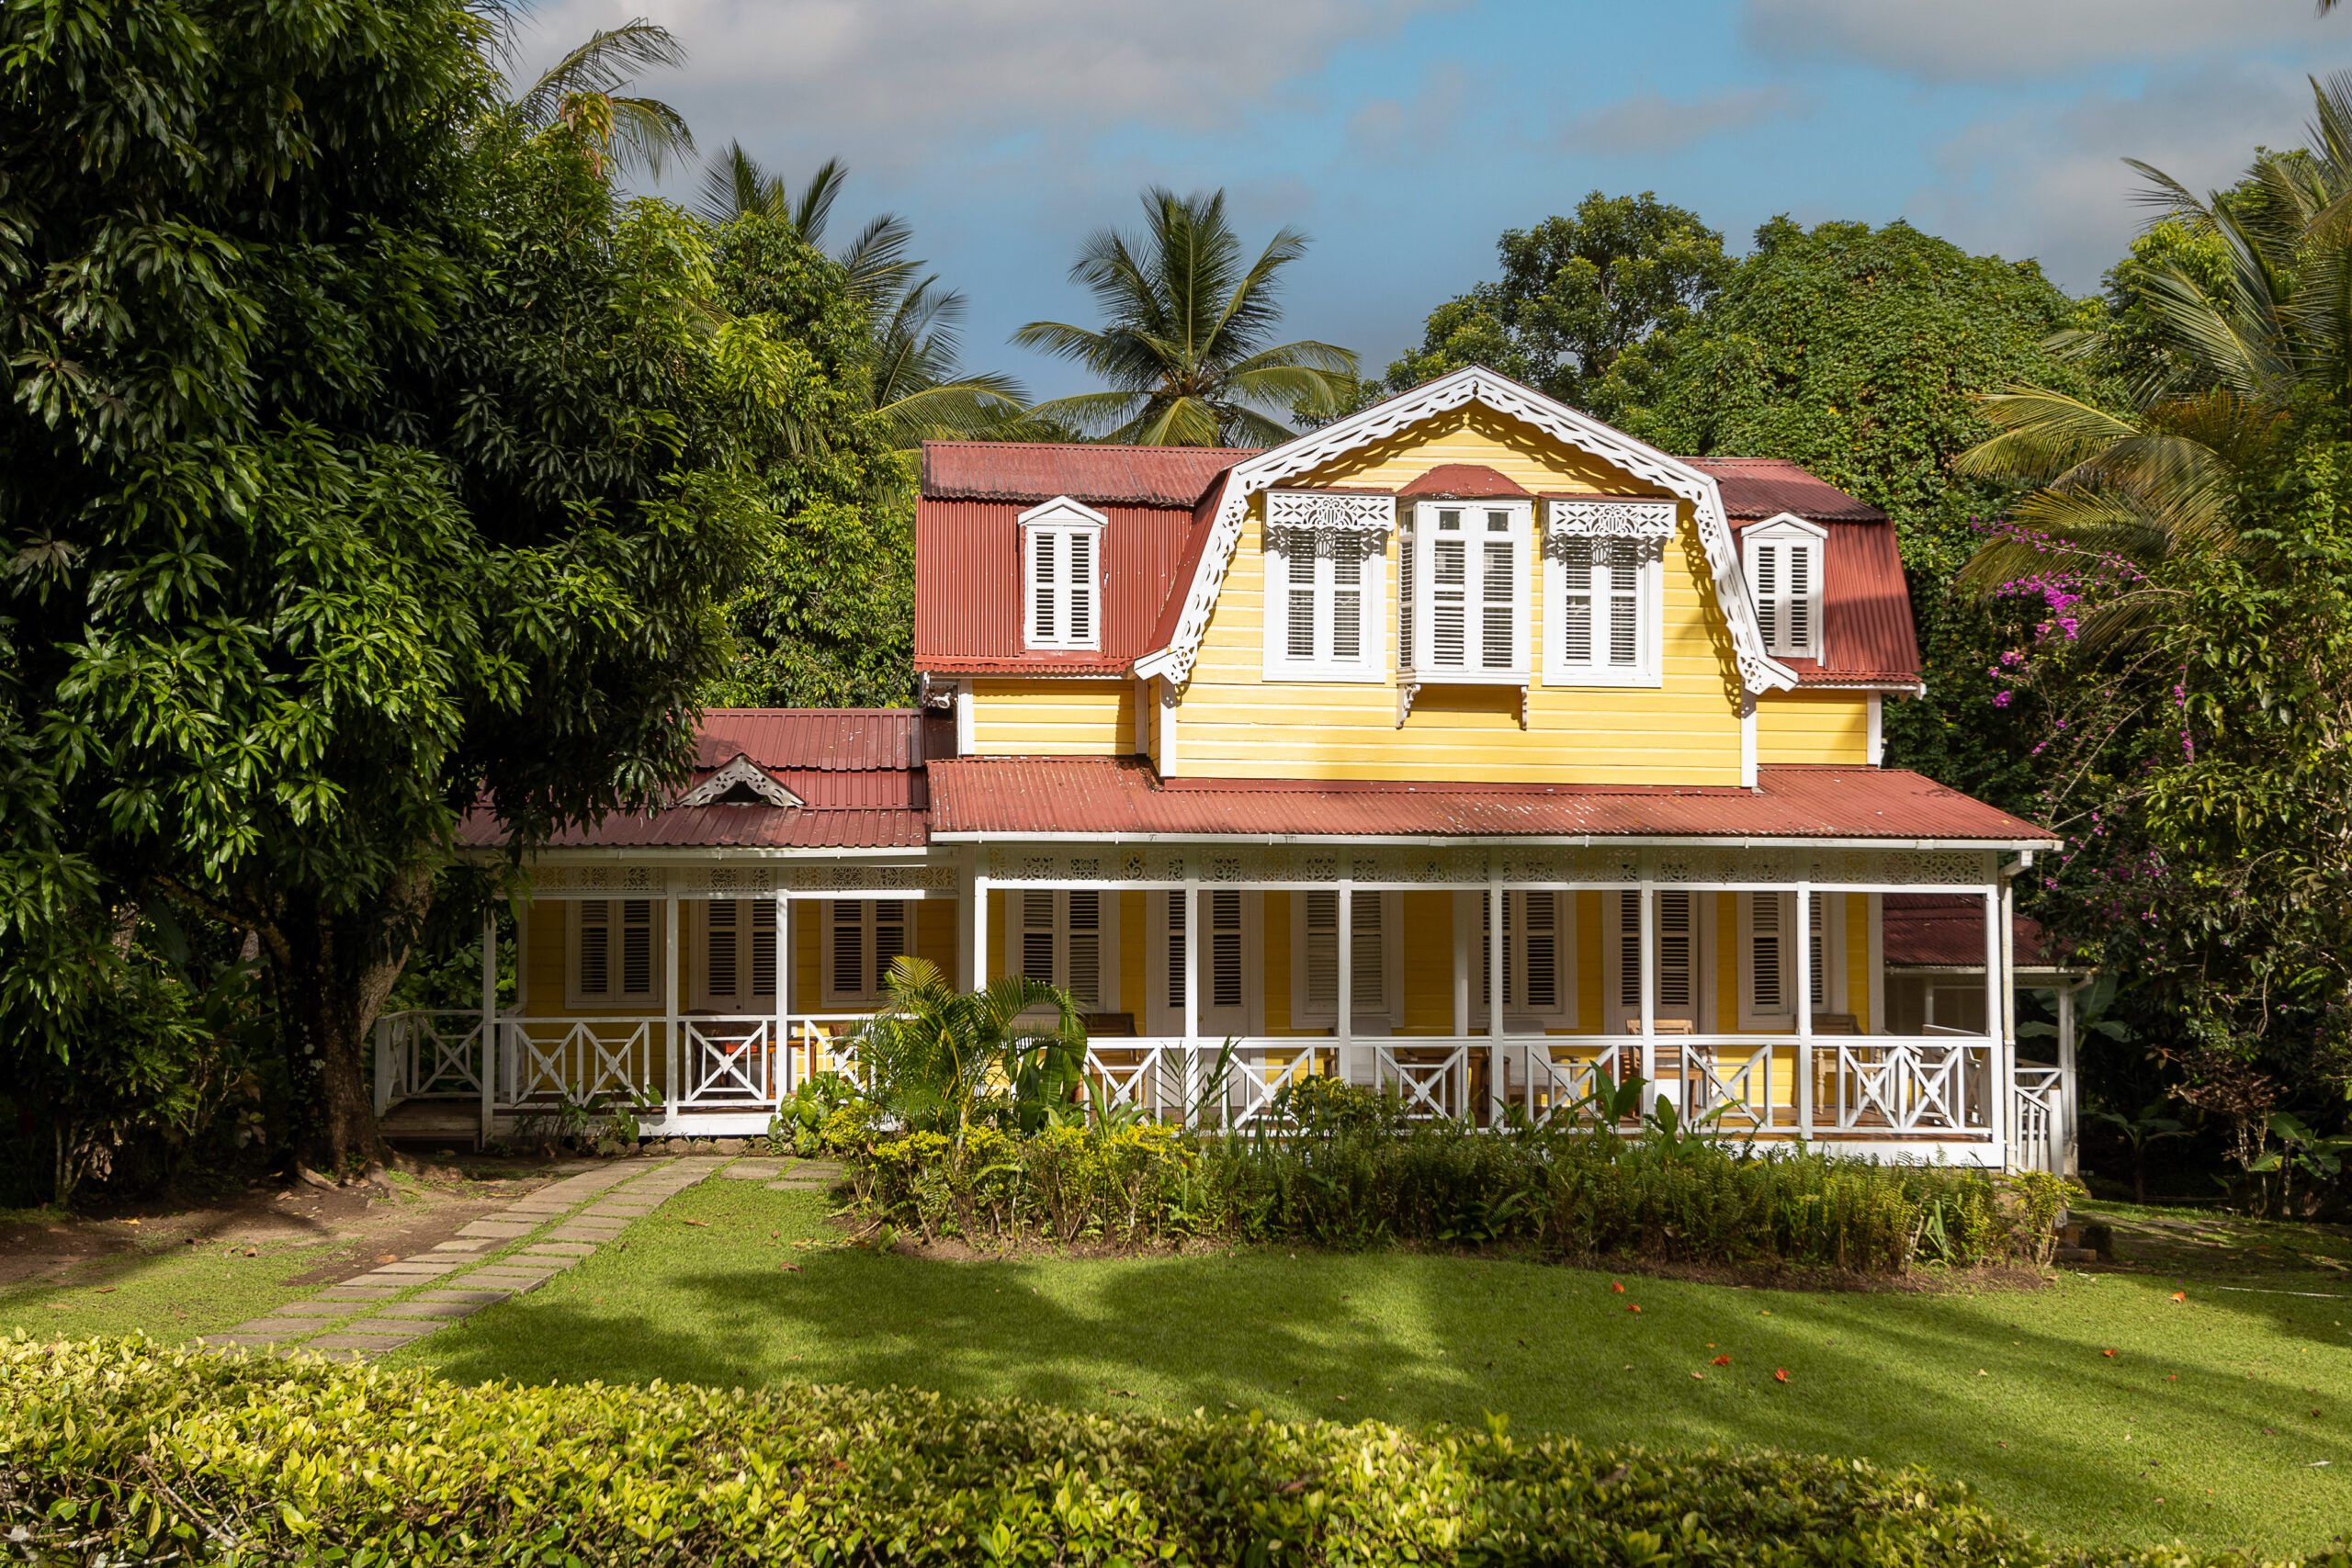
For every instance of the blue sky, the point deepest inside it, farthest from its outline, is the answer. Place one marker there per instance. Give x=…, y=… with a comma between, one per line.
x=1406, y=135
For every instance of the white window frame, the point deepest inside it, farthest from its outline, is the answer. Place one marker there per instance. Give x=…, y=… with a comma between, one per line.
x=1382, y=1016
x=1518, y=1015
x=1602, y=532
x=1163, y=1011
x=753, y=917
x=1785, y=536
x=575, y=924
x=1425, y=539
x=870, y=925
x=1324, y=523
x=1106, y=936
x=1621, y=960
x=1829, y=971
x=1067, y=524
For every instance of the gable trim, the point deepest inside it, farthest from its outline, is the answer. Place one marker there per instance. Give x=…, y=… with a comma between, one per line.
x=741, y=772
x=1759, y=671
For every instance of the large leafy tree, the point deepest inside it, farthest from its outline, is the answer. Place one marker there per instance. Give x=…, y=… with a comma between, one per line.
x=1184, y=346
x=366, y=462
x=1575, y=292
x=1861, y=353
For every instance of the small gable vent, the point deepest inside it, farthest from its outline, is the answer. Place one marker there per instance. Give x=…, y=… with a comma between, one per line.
x=740, y=782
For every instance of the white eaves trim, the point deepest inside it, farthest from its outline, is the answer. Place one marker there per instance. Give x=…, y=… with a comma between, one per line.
x=1759, y=670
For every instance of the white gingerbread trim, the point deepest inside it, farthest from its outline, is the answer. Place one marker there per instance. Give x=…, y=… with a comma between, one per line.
x=744, y=773
x=1759, y=671
x=1608, y=519
x=1330, y=511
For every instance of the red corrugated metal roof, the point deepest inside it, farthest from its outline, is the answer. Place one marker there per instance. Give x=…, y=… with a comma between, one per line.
x=1016, y=796
x=968, y=584
x=1940, y=930
x=1753, y=488
x=1866, y=626
x=829, y=740
x=1098, y=475
x=1466, y=482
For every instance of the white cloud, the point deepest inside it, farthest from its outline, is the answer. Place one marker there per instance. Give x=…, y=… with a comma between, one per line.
x=2006, y=38
x=2051, y=182
x=1651, y=122
x=897, y=80
x=1421, y=125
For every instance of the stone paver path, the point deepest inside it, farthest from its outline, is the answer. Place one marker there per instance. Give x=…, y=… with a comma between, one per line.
x=517, y=1249
x=805, y=1175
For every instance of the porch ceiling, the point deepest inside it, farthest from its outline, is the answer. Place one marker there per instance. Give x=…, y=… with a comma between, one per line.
x=975, y=797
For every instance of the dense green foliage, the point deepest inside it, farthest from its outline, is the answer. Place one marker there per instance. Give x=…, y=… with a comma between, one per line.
x=1575, y=293
x=1349, y=1174
x=121, y=1450
x=367, y=460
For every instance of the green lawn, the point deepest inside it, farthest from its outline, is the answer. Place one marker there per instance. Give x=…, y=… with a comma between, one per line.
x=169, y=1292
x=2220, y=1406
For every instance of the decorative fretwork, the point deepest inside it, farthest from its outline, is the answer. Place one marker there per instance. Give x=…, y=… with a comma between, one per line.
x=615, y=877
x=1329, y=512
x=872, y=879
x=1600, y=519
x=1530, y=865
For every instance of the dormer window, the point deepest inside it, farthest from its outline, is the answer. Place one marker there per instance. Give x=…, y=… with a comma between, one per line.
x=1784, y=558
x=1327, y=554
x=1466, y=578
x=1604, y=590
x=1062, y=581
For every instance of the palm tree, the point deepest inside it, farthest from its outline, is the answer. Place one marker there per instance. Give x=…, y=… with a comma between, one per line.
x=2143, y=485
x=933, y=1053
x=918, y=392
x=584, y=89
x=1183, y=342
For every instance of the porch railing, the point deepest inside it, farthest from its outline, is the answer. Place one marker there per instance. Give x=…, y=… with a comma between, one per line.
x=1846, y=1089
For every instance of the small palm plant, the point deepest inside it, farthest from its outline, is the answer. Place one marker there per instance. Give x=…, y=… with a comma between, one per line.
x=935, y=1057
x=1184, y=343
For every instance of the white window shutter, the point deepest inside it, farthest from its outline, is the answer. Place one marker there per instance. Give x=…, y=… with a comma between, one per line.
x=1176, y=952
x=1367, y=956
x=1768, y=987
x=636, y=948
x=890, y=942
x=721, y=950
x=1225, y=947
x=1045, y=586
x=849, y=947
x=1576, y=611
x=1347, y=598
x=1784, y=578
x=763, y=947
x=1677, y=949
x=1322, y=955
x=1449, y=593
x=595, y=975
x=1408, y=603
x=1078, y=586
x=1037, y=935
x=1629, y=951
x=1085, y=966
x=1498, y=595
x=1541, y=990
x=1802, y=581
x=1299, y=574
x=1624, y=587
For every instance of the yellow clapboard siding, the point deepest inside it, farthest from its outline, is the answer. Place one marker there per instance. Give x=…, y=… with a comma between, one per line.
x=1133, y=961
x=543, y=964
x=1686, y=730
x=1591, y=1000
x=1062, y=718
x=1858, y=961
x=1812, y=727
x=1428, y=963
x=1277, y=965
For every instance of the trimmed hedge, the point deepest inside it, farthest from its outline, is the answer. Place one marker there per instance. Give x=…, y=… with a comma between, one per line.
x=1565, y=1194
x=120, y=1450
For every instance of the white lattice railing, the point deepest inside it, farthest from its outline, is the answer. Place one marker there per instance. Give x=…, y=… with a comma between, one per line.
x=427, y=1055
x=2037, y=1117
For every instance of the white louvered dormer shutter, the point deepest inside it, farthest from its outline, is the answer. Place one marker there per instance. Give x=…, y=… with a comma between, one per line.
x=1470, y=578
x=1784, y=558
x=1062, y=578
x=1604, y=590
x=1325, y=559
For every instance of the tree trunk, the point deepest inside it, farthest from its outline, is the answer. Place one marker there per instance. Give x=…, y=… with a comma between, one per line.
x=336, y=974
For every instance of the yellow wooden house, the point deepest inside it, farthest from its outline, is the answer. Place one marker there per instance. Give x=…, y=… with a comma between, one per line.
x=1466, y=748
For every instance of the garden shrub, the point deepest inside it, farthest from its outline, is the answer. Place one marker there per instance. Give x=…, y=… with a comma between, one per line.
x=1356, y=1182
x=121, y=1451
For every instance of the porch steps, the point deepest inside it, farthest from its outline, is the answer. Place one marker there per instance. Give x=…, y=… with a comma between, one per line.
x=449, y=1123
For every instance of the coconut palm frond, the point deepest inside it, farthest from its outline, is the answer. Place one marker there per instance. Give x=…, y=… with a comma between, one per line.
x=585, y=88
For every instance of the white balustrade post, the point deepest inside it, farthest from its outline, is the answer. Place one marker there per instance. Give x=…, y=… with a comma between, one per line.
x=675, y=1058
x=1191, y=968
x=1804, y=1009
x=1345, y=1030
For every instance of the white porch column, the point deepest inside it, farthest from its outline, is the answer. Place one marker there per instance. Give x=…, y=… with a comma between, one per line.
x=1804, y=1008
x=1346, y=1029
x=1193, y=960
x=1998, y=1067
x=1496, y=995
x=976, y=930
x=489, y=1016
x=676, y=1058
x=2067, y=1164
x=786, y=1077
x=1647, y=942
x=1462, y=966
